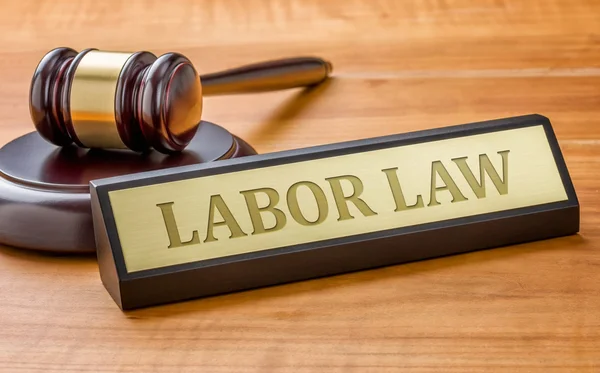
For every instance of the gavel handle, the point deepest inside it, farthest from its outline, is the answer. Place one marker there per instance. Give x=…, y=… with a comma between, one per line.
x=267, y=76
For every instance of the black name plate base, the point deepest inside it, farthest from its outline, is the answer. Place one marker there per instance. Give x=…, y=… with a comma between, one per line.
x=214, y=228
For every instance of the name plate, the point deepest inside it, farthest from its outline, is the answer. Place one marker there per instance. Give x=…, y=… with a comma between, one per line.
x=232, y=225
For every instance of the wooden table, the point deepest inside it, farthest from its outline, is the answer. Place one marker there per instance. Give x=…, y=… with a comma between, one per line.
x=399, y=66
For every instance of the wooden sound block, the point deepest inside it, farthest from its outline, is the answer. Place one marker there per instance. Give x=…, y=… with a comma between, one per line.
x=44, y=190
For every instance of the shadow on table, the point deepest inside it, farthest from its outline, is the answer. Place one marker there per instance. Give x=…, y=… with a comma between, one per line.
x=40, y=256
x=291, y=109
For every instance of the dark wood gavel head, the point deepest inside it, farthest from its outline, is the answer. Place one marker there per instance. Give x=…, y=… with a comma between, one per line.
x=138, y=101
x=99, y=99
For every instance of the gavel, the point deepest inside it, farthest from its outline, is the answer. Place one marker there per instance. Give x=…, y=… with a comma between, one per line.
x=138, y=101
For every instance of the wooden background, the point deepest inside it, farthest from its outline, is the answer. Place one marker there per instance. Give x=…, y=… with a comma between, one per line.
x=399, y=66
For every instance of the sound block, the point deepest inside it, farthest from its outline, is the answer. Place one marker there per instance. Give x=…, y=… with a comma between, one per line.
x=44, y=189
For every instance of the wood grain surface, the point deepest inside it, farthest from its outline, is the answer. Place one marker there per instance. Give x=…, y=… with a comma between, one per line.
x=398, y=66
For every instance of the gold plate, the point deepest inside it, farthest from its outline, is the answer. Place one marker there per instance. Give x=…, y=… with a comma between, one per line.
x=493, y=182
x=234, y=213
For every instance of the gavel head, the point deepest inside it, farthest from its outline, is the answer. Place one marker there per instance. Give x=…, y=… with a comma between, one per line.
x=100, y=99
